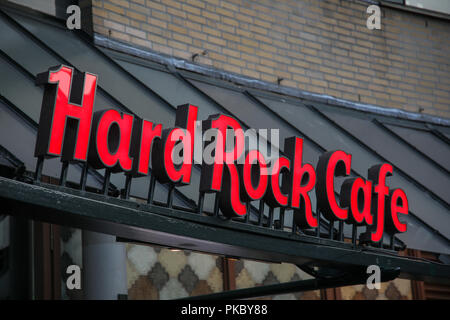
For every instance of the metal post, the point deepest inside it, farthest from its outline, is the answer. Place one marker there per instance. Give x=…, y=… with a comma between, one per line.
x=282, y=218
x=318, y=221
x=83, y=178
x=331, y=229
x=270, y=219
x=261, y=212
x=127, y=186
x=247, y=216
x=170, y=195
x=216, y=205
x=106, y=182
x=151, y=189
x=39, y=166
x=201, y=200
x=354, y=233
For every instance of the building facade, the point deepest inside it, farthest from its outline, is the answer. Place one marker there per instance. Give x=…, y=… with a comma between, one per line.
x=318, y=70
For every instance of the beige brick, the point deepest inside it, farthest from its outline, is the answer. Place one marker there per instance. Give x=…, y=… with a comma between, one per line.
x=257, y=29
x=177, y=45
x=176, y=12
x=250, y=58
x=237, y=62
x=198, y=35
x=319, y=83
x=141, y=42
x=193, y=26
x=231, y=37
x=217, y=41
x=211, y=31
x=300, y=78
x=196, y=3
x=119, y=35
x=230, y=21
x=154, y=5
x=244, y=18
x=99, y=12
x=114, y=8
x=197, y=19
x=332, y=78
x=246, y=49
x=216, y=56
x=231, y=68
x=191, y=9
x=162, y=49
x=313, y=59
x=182, y=38
x=136, y=16
x=177, y=29
x=210, y=15
x=157, y=22
x=157, y=38
x=251, y=73
x=231, y=53
x=173, y=3
x=249, y=42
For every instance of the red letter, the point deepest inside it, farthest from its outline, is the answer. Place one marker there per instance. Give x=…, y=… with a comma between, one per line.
x=165, y=167
x=356, y=193
x=110, y=141
x=212, y=174
x=274, y=196
x=378, y=174
x=393, y=224
x=332, y=163
x=299, y=188
x=66, y=113
x=144, y=133
x=254, y=174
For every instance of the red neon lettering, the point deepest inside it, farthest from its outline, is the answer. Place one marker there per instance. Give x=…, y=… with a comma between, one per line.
x=393, y=223
x=258, y=178
x=331, y=164
x=356, y=193
x=212, y=174
x=111, y=140
x=166, y=169
x=299, y=188
x=63, y=120
x=378, y=174
x=144, y=134
x=230, y=197
x=274, y=196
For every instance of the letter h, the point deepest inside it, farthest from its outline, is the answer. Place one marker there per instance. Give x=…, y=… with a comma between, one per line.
x=66, y=114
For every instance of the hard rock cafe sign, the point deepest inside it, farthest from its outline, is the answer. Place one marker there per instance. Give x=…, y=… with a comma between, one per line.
x=122, y=142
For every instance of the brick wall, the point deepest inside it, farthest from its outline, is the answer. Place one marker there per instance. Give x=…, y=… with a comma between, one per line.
x=318, y=46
